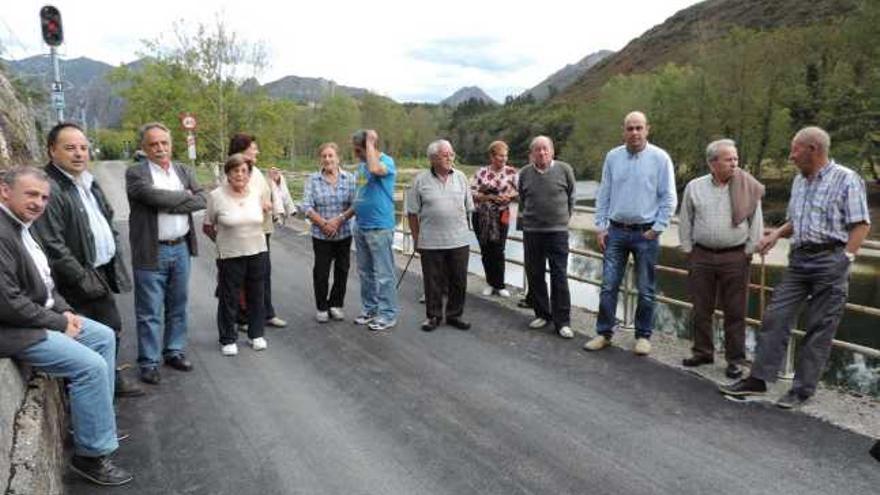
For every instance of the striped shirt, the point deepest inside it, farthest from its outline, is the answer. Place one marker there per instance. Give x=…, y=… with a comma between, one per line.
x=329, y=201
x=820, y=210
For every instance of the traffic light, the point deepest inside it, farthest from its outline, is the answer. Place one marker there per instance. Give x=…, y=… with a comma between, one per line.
x=50, y=20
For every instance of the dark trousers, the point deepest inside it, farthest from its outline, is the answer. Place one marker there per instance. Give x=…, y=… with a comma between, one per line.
x=823, y=278
x=235, y=274
x=327, y=253
x=269, y=312
x=492, y=256
x=102, y=309
x=540, y=248
x=725, y=275
x=445, y=273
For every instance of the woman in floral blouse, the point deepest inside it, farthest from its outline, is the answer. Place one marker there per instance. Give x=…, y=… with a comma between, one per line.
x=493, y=188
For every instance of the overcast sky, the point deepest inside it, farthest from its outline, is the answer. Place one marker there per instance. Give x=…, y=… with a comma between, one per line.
x=408, y=50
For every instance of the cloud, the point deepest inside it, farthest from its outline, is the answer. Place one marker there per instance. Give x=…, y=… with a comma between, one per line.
x=485, y=54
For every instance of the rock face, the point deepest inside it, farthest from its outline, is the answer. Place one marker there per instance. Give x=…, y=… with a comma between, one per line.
x=18, y=133
x=466, y=94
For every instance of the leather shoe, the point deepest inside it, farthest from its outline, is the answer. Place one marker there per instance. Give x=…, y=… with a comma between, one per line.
x=694, y=361
x=875, y=451
x=179, y=362
x=430, y=324
x=100, y=470
x=151, y=376
x=126, y=388
x=458, y=323
x=733, y=371
x=746, y=386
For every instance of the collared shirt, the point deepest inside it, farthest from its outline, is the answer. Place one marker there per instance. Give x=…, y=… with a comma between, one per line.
x=105, y=244
x=821, y=210
x=171, y=226
x=545, y=169
x=489, y=180
x=706, y=218
x=636, y=188
x=37, y=255
x=442, y=208
x=329, y=200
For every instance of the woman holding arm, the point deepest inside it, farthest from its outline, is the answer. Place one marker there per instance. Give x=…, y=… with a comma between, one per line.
x=327, y=203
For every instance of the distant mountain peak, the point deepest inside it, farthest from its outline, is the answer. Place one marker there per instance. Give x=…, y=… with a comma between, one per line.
x=566, y=76
x=467, y=93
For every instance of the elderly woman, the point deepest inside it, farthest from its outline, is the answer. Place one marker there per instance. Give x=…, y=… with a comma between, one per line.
x=246, y=144
x=494, y=187
x=234, y=221
x=437, y=208
x=327, y=202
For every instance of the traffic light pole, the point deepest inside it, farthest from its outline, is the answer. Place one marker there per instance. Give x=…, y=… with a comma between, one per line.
x=57, y=86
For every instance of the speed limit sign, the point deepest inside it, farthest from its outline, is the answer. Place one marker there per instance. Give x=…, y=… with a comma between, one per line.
x=188, y=121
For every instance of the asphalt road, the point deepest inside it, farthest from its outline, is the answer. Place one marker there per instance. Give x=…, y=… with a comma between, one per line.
x=500, y=409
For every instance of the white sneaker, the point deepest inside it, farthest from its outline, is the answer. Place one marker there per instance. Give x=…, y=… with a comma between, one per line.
x=488, y=291
x=597, y=343
x=259, y=344
x=537, y=323
x=229, y=350
x=503, y=292
x=642, y=347
x=337, y=314
x=364, y=319
x=379, y=324
x=566, y=333
x=322, y=317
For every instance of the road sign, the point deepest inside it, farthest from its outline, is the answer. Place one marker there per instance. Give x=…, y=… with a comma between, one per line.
x=58, y=100
x=191, y=145
x=188, y=121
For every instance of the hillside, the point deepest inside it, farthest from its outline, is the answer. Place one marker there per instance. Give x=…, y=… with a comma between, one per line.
x=674, y=39
x=465, y=94
x=566, y=76
x=308, y=89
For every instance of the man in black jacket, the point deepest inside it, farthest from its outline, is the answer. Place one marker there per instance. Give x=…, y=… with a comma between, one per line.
x=39, y=328
x=162, y=196
x=79, y=238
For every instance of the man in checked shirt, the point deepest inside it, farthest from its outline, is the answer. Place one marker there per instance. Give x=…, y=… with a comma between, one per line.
x=827, y=221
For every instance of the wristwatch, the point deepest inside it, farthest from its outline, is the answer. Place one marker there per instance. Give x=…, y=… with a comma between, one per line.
x=850, y=256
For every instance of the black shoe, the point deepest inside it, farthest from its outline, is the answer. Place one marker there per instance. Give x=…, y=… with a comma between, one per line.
x=875, y=451
x=126, y=388
x=151, y=376
x=733, y=371
x=100, y=470
x=179, y=362
x=458, y=323
x=792, y=399
x=430, y=324
x=744, y=387
x=523, y=303
x=694, y=361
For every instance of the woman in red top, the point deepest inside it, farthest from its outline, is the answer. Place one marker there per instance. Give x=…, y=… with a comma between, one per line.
x=493, y=188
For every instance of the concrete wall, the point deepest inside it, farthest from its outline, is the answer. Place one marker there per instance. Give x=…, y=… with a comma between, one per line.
x=32, y=430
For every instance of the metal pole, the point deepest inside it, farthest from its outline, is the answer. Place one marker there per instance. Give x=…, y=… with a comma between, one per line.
x=57, y=86
x=629, y=299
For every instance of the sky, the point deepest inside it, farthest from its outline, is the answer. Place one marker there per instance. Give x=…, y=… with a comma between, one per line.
x=407, y=50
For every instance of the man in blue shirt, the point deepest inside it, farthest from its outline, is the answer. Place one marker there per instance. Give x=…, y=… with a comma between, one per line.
x=374, y=236
x=635, y=201
x=827, y=221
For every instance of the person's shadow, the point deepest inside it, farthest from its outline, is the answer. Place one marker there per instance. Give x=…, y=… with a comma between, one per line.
x=875, y=451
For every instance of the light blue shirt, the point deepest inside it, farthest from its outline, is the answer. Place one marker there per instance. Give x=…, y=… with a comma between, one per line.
x=105, y=245
x=636, y=188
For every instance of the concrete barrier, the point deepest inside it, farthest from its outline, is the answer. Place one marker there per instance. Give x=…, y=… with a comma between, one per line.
x=32, y=432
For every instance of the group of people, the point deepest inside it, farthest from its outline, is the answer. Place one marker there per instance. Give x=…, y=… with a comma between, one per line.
x=61, y=259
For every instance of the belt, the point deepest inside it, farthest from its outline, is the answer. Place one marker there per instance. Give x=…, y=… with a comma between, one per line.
x=632, y=226
x=173, y=242
x=740, y=247
x=819, y=247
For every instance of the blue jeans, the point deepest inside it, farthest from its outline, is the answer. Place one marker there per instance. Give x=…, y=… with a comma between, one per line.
x=618, y=245
x=154, y=290
x=89, y=363
x=375, y=262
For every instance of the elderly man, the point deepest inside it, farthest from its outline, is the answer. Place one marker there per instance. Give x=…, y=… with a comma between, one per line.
x=720, y=224
x=633, y=206
x=374, y=236
x=38, y=328
x=827, y=221
x=79, y=238
x=437, y=207
x=546, y=201
x=162, y=196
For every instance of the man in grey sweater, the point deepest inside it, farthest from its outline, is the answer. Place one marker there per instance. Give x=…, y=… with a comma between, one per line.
x=546, y=201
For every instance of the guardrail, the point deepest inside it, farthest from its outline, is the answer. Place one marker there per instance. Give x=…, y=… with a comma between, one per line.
x=630, y=293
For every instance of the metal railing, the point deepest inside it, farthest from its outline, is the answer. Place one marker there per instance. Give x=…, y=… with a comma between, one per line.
x=630, y=293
